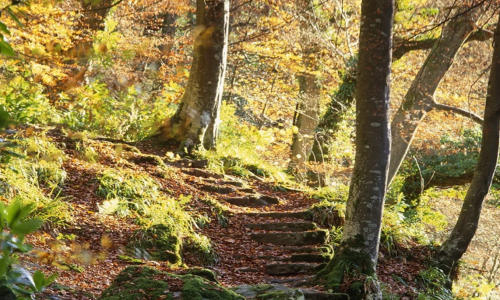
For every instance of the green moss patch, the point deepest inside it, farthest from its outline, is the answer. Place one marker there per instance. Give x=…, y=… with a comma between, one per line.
x=161, y=242
x=144, y=283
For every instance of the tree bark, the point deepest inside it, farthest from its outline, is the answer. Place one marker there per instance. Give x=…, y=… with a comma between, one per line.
x=361, y=234
x=309, y=97
x=307, y=120
x=329, y=123
x=196, y=122
x=457, y=243
x=420, y=97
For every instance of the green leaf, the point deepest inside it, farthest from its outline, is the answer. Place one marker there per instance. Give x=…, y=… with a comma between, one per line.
x=4, y=263
x=2, y=216
x=6, y=49
x=13, y=16
x=13, y=212
x=49, y=280
x=25, y=227
x=3, y=28
x=39, y=280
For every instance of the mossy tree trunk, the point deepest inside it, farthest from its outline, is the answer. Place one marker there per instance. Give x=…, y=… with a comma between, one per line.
x=455, y=246
x=196, y=122
x=309, y=94
x=307, y=120
x=342, y=100
x=419, y=99
x=360, y=239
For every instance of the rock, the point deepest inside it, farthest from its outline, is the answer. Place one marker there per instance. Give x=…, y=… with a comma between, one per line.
x=136, y=283
x=291, y=238
x=303, y=215
x=205, y=273
x=293, y=268
x=218, y=189
x=283, y=226
x=247, y=190
x=253, y=201
x=202, y=173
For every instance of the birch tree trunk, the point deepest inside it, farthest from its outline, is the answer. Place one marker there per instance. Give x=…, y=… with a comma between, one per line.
x=360, y=239
x=457, y=243
x=419, y=99
x=196, y=122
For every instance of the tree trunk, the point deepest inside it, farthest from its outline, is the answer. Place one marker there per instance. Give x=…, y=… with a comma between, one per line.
x=168, y=25
x=329, y=123
x=307, y=120
x=360, y=239
x=419, y=99
x=309, y=95
x=455, y=246
x=196, y=122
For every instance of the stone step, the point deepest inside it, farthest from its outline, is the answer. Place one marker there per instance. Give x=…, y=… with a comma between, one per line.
x=294, y=227
x=309, y=249
x=302, y=215
x=253, y=201
x=317, y=295
x=202, y=173
x=291, y=238
x=312, y=258
x=283, y=269
x=217, y=189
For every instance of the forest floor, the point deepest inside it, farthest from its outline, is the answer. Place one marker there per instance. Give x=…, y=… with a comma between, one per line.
x=87, y=252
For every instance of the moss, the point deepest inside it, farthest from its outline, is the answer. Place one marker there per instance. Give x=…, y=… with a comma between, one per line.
x=356, y=290
x=196, y=288
x=207, y=274
x=129, y=259
x=356, y=265
x=161, y=242
x=138, y=283
x=281, y=295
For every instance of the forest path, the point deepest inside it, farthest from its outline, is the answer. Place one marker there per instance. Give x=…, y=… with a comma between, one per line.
x=261, y=231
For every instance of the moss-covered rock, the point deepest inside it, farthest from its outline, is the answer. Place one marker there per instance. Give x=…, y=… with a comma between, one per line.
x=207, y=274
x=161, y=242
x=144, y=283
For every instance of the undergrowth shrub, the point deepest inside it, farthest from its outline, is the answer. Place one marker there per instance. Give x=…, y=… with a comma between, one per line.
x=34, y=177
x=456, y=159
x=128, y=115
x=129, y=193
x=240, y=148
x=432, y=282
x=330, y=209
x=25, y=102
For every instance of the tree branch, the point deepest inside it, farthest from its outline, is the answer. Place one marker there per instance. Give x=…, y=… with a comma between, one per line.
x=458, y=111
x=403, y=46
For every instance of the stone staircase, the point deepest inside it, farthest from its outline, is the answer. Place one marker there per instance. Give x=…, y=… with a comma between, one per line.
x=301, y=243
